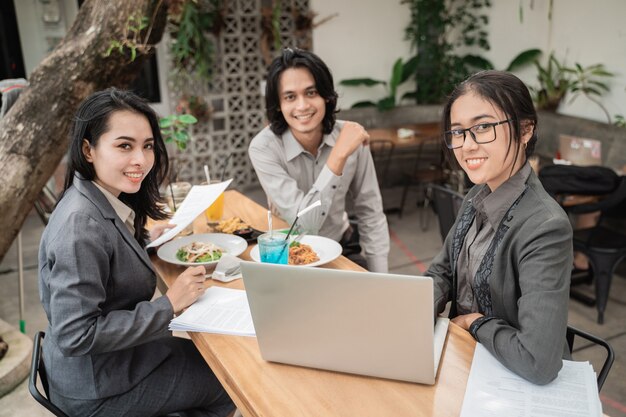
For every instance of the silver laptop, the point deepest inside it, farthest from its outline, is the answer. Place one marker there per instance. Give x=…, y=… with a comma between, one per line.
x=580, y=151
x=362, y=323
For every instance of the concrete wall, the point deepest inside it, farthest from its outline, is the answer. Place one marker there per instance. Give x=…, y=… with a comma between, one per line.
x=550, y=126
x=363, y=40
x=367, y=36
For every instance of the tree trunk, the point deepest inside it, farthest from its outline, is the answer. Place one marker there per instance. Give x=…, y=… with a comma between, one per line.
x=34, y=133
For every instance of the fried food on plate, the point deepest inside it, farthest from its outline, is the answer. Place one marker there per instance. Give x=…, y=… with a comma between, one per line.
x=231, y=225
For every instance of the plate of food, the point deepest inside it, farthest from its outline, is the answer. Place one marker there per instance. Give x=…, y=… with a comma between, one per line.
x=309, y=251
x=238, y=227
x=204, y=249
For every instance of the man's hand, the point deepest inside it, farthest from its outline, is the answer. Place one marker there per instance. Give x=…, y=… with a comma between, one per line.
x=352, y=136
x=466, y=320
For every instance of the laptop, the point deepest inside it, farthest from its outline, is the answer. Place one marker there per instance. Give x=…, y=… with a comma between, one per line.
x=580, y=151
x=371, y=324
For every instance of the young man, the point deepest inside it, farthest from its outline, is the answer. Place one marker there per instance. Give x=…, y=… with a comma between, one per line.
x=304, y=155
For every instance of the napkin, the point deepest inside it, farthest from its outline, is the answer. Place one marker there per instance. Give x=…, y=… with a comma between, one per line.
x=227, y=269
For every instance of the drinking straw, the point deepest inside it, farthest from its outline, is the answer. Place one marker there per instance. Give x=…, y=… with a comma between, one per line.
x=224, y=166
x=172, y=194
x=269, y=221
x=206, y=172
x=300, y=213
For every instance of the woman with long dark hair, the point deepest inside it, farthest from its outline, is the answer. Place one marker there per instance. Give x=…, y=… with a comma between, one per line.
x=107, y=349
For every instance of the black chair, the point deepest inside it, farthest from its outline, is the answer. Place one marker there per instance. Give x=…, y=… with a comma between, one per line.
x=37, y=368
x=429, y=167
x=382, y=151
x=45, y=203
x=446, y=203
x=572, y=332
x=603, y=245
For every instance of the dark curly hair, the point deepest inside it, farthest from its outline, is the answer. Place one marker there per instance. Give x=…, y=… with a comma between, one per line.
x=298, y=58
x=90, y=123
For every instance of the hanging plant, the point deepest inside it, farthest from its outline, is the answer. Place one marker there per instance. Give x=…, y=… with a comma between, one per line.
x=193, y=27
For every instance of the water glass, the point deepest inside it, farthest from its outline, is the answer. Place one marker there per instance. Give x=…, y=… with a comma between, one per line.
x=273, y=248
x=175, y=195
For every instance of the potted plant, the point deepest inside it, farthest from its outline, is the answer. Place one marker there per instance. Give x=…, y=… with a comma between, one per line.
x=556, y=80
x=400, y=73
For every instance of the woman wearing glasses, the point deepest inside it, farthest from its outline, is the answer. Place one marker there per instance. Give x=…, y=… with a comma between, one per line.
x=506, y=262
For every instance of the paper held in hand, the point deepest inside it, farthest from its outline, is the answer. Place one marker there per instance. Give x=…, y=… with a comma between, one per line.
x=200, y=197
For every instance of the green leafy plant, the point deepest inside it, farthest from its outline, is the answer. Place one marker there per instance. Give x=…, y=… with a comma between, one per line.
x=175, y=128
x=133, y=38
x=400, y=73
x=620, y=121
x=192, y=48
x=556, y=80
x=523, y=59
x=588, y=81
x=438, y=28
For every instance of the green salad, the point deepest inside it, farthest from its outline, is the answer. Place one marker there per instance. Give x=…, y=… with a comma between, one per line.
x=199, y=252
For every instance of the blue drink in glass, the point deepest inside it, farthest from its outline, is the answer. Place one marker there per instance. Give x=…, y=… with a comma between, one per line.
x=274, y=249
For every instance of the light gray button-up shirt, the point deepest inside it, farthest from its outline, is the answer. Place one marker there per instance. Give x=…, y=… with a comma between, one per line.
x=293, y=178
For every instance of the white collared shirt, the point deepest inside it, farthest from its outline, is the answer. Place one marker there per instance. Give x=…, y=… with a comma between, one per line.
x=293, y=178
x=125, y=213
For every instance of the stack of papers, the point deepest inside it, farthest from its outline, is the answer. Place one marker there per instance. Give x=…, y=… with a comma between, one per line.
x=493, y=390
x=219, y=310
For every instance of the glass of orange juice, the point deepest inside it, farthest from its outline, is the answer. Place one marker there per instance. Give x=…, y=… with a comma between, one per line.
x=215, y=212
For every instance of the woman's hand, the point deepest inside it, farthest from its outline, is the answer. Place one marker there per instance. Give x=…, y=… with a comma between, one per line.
x=466, y=320
x=187, y=288
x=158, y=229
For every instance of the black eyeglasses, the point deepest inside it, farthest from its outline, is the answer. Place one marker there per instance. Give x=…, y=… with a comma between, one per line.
x=480, y=133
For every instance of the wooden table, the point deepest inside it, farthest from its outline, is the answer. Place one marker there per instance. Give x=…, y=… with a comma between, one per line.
x=261, y=388
x=421, y=132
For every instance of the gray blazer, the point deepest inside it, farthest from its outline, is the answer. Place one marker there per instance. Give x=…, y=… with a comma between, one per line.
x=529, y=284
x=95, y=284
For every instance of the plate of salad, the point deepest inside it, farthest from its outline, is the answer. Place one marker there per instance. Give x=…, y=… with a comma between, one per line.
x=202, y=249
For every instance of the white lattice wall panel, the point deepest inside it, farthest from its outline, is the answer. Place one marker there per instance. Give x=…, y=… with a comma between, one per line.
x=235, y=96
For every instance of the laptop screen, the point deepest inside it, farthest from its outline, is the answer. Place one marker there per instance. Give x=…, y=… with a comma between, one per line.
x=580, y=151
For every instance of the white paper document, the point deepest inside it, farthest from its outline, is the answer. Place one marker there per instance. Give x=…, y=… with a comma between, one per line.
x=200, y=197
x=219, y=310
x=494, y=391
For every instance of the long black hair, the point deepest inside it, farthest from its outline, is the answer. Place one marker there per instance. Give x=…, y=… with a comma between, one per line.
x=298, y=58
x=508, y=93
x=90, y=123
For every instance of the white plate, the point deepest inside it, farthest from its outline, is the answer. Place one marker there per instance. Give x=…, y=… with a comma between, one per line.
x=231, y=244
x=327, y=250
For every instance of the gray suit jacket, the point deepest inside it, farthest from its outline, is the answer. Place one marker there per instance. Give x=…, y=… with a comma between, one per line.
x=529, y=284
x=95, y=284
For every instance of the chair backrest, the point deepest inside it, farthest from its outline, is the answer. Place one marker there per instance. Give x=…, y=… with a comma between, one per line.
x=429, y=155
x=382, y=150
x=572, y=332
x=45, y=203
x=447, y=204
x=37, y=369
